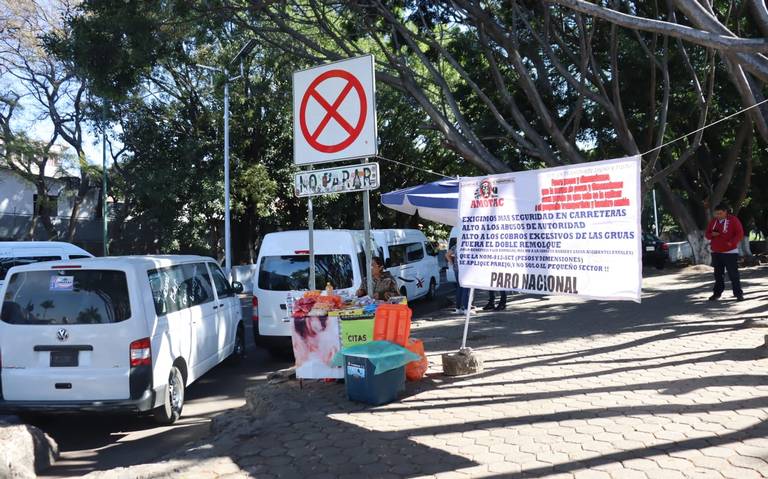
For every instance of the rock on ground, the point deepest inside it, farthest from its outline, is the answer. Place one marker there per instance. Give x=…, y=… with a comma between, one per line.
x=26, y=449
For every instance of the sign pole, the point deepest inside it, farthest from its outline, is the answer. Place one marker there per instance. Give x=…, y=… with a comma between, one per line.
x=311, y=227
x=367, y=226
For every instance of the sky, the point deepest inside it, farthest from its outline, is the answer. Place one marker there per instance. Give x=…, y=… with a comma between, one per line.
x=41, y=129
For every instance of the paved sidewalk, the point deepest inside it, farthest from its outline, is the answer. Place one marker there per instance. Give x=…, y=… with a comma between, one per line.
x=673, y=387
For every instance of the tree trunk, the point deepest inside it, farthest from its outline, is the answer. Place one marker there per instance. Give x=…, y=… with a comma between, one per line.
x=693, y=232
x=744, y=247
x=82, y=192
x=44, y=218
x=700, y=247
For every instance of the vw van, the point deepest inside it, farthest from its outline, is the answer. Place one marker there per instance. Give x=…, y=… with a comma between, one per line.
x=114, y=334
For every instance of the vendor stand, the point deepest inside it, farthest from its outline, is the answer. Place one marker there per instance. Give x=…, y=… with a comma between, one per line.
x=324, y=323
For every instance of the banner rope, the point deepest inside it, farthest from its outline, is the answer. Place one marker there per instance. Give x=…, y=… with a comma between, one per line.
x=416, y=168
x=705, y=127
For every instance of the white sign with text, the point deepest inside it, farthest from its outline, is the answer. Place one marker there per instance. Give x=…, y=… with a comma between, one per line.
x=347, y=179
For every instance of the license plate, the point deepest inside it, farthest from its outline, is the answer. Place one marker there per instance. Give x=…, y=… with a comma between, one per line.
x=650, y=248
x=64, y=359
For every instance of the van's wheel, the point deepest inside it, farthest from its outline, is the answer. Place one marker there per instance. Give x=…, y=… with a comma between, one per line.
x=238, y=352
x=173, y=402
x=432, y=289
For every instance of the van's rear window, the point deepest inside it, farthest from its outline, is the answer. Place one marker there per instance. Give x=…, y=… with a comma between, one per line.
x=66, y=297
x=291, y=273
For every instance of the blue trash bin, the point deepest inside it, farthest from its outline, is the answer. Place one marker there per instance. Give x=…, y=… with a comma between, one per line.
x=363, y=385
x=374, y=373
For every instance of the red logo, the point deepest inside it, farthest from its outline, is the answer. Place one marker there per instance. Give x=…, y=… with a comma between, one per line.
x=487, y=196
x=332, y=111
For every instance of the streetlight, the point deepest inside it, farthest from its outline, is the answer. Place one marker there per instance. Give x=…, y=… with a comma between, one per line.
x=247, y=48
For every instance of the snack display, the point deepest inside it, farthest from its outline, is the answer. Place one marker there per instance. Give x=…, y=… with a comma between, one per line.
x=302, y=307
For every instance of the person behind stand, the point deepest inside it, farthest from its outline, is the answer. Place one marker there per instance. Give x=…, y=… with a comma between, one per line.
x=384, y=285
x=492, y=300
x=462, y=294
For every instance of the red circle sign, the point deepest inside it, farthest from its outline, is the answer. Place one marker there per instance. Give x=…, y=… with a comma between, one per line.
x=331, y=111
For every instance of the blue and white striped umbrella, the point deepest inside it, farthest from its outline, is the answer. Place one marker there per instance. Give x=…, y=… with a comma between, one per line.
x=437, y=201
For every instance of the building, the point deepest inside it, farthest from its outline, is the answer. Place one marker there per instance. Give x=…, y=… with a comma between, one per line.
x=20, y=204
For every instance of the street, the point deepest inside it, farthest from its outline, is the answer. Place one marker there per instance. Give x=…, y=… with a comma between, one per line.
x=100, y=442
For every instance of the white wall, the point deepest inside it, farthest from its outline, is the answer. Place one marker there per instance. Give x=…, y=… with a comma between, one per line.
x=15, y=194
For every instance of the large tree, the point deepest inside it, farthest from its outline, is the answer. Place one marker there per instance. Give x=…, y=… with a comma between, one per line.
x=505, y=85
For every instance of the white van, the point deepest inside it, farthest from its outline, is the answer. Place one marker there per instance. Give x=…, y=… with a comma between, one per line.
x=411, y=259
x=19, y=253
x=115, y=333
x=283, y=269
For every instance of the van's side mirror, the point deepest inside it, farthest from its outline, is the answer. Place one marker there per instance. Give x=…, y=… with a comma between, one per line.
x=388, y=263
x=237, y=287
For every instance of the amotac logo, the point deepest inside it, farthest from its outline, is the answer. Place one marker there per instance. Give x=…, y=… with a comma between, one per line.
x=487, y=196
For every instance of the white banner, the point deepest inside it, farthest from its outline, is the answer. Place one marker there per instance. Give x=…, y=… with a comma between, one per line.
x=572, y=230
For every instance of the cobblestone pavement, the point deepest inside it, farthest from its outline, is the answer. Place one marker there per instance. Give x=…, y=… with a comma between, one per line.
x=673, y=387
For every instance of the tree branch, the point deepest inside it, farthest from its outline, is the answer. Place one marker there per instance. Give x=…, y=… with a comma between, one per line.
x=699, y=37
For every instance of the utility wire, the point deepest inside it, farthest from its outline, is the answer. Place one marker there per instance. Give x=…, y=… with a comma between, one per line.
x=417, y=168
x=705, y=127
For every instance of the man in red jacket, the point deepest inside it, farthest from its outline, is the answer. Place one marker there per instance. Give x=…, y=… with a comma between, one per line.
x=725, y=233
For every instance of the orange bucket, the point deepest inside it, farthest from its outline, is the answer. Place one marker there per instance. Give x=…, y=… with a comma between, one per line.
x=393, y=323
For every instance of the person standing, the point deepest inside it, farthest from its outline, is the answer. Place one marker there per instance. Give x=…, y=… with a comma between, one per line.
x=492, y=301
x=462, y=294
x=725, y=233
x=384, y=285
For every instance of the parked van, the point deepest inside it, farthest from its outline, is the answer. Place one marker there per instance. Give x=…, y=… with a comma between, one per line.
x=18, y=253
x=115, y=333
x=283, y=270
x=411, y=260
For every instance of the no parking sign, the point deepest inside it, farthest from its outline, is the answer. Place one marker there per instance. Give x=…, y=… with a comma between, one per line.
x=334, y=112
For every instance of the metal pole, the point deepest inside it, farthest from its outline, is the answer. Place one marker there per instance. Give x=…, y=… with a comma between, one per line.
x=655, y=214
x=104, y=187
x=311, y=225
x=466, y=319
x=367, y=226
x=227, y=226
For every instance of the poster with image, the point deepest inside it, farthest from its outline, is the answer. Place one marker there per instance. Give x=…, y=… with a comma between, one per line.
x=315, y=342
x=572, y=230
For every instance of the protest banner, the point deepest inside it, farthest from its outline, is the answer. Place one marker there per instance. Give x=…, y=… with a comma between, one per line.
x=572, y=230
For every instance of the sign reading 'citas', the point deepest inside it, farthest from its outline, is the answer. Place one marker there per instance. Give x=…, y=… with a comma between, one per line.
x=334, y=112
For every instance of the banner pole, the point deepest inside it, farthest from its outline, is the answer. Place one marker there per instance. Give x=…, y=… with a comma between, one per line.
x=468, y=312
